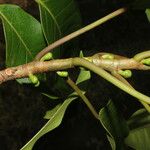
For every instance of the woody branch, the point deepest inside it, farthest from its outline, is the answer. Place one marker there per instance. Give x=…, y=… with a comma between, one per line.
x=35, y=67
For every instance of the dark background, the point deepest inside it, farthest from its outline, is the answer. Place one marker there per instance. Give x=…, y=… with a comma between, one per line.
x=22, y=107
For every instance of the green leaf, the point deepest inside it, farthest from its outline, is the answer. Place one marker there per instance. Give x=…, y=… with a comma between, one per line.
x=140, y=118
x=58, y=19
x=148, y=14
x=114, y=124
x=49, y=114
x=139, y=135
x=23, y=35
x=112, y=142
x=84, y=75
x=51, y=96
x=55, y=121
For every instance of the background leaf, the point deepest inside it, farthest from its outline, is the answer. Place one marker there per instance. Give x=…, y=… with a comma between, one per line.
x=54, y=122
x=139, y=135
x=23, y=35
x=114, y=124
x=52, y=97
x=83, y=76
x=148, y=14
x=58, y=19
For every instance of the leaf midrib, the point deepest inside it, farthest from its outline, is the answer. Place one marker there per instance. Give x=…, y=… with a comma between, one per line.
x=39, y=133
x=5, y=18
x=51, y=14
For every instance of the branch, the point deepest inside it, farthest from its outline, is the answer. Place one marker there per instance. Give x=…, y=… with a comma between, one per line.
x=79, y=32
x=142, y=55
x=118, y=63
x=118, y=76
x=111, y=79
x=95, y=66
x=83, y=97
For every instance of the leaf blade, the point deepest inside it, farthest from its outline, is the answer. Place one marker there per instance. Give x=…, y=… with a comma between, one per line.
x=114, y=124
x=22, y=43
x=58, y=19
x=54, y=122
x=148, y=14
x=139, y=135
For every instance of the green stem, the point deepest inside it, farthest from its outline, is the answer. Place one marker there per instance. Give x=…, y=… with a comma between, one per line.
x=79, y=32
x=118, y=76
x=111, y=79
x=84, y=98
x=138, y=57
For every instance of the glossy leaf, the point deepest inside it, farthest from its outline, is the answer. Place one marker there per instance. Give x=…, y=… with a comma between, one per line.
x=23, y=35
x=114, y=124
x=58, y=19
x=55, y=121
x=148, y=14
x=139, y=136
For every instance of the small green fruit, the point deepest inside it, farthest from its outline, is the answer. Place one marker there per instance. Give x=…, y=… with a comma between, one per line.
x=125, y=73
x=62, y=73
x=146, y=61
x=33, y=78
x=47, y=56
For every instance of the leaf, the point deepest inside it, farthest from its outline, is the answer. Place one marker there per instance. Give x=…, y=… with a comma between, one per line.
x=49, y=114
x=139, y=119
x=23, y=35
x=51, y=96
x=58, y=19
x=114, y=124
x=54, y=122
x=112, y=142
x=83, y=76
x=139, y=135
x=148, y=14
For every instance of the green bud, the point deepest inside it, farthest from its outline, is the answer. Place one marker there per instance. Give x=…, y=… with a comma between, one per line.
x=125, y=73
x=47, y=56
x=108, y=56
x=146, y=61
x=81, y=54
x=33, y=78
x=62, y=73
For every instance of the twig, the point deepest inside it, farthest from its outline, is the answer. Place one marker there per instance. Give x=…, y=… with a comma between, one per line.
x=62, y=64
x=53, y=65
x=84, y=98
x=142, y=55
x=79, y=32
x=111, y=79
x=118, y=76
